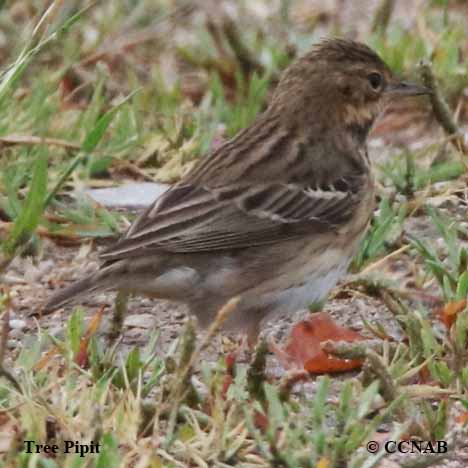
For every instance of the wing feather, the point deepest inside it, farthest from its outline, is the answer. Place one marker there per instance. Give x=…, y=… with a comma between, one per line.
x=198, y=219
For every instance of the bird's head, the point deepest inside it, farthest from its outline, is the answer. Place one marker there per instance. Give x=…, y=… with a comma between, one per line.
x=342, y=83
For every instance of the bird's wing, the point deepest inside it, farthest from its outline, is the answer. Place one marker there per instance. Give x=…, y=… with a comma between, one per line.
x=190, y=218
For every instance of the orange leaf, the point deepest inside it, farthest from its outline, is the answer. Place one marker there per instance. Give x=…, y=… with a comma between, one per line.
x=230, y=361
x=94, y=323
x=304, y=347
x=81, y=357
x=228, y=379
x=462, y=418
x=44, y=361
x=424, y=375
x=448, y=313
x=322, y=363
x=260, y=420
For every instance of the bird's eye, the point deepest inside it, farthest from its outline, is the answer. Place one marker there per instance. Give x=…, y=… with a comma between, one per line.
x=375, y=80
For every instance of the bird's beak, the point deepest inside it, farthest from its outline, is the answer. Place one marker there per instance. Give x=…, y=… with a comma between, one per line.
x=406, y=88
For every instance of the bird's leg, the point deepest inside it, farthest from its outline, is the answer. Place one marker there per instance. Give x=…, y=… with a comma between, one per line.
x=118, y=316
x=245, y=344
x=249, y=341
x=256, y=373
x=252, y=334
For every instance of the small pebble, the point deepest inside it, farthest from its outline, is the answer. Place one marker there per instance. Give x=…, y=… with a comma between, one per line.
x=140, y=320
x=17, y=324
x=12, y=344
x=16, y=333
x=440, y=243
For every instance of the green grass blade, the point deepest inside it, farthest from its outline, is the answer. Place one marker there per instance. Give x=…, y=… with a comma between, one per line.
x=28, y=219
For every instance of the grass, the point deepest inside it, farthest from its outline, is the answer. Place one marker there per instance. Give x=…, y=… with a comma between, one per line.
x=74, y=111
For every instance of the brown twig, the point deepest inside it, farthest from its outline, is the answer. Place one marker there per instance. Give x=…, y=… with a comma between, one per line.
x=4, y=335
x=217, y=36
x=35, y=140
x=440, y=107
x=246, y=61
x=383, y=15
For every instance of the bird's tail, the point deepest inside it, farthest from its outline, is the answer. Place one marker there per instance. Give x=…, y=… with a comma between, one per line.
x=99, y=281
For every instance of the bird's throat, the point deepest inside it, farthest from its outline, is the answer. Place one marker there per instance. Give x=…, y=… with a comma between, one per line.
x=360, y=131
x=358, y=120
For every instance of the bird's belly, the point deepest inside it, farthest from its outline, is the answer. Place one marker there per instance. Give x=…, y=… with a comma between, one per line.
x=313, y=288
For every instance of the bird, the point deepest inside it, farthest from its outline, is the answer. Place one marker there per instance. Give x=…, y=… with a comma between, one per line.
x=274, y=215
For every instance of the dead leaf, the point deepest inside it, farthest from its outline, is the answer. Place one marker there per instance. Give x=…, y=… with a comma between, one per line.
x=15, y=139
x=424, y=375
x=449, y=312
x=44, y=361
x=81, y=357
x=230, y=360
x=304, y=346
x=462, y=418
x=260, y=421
